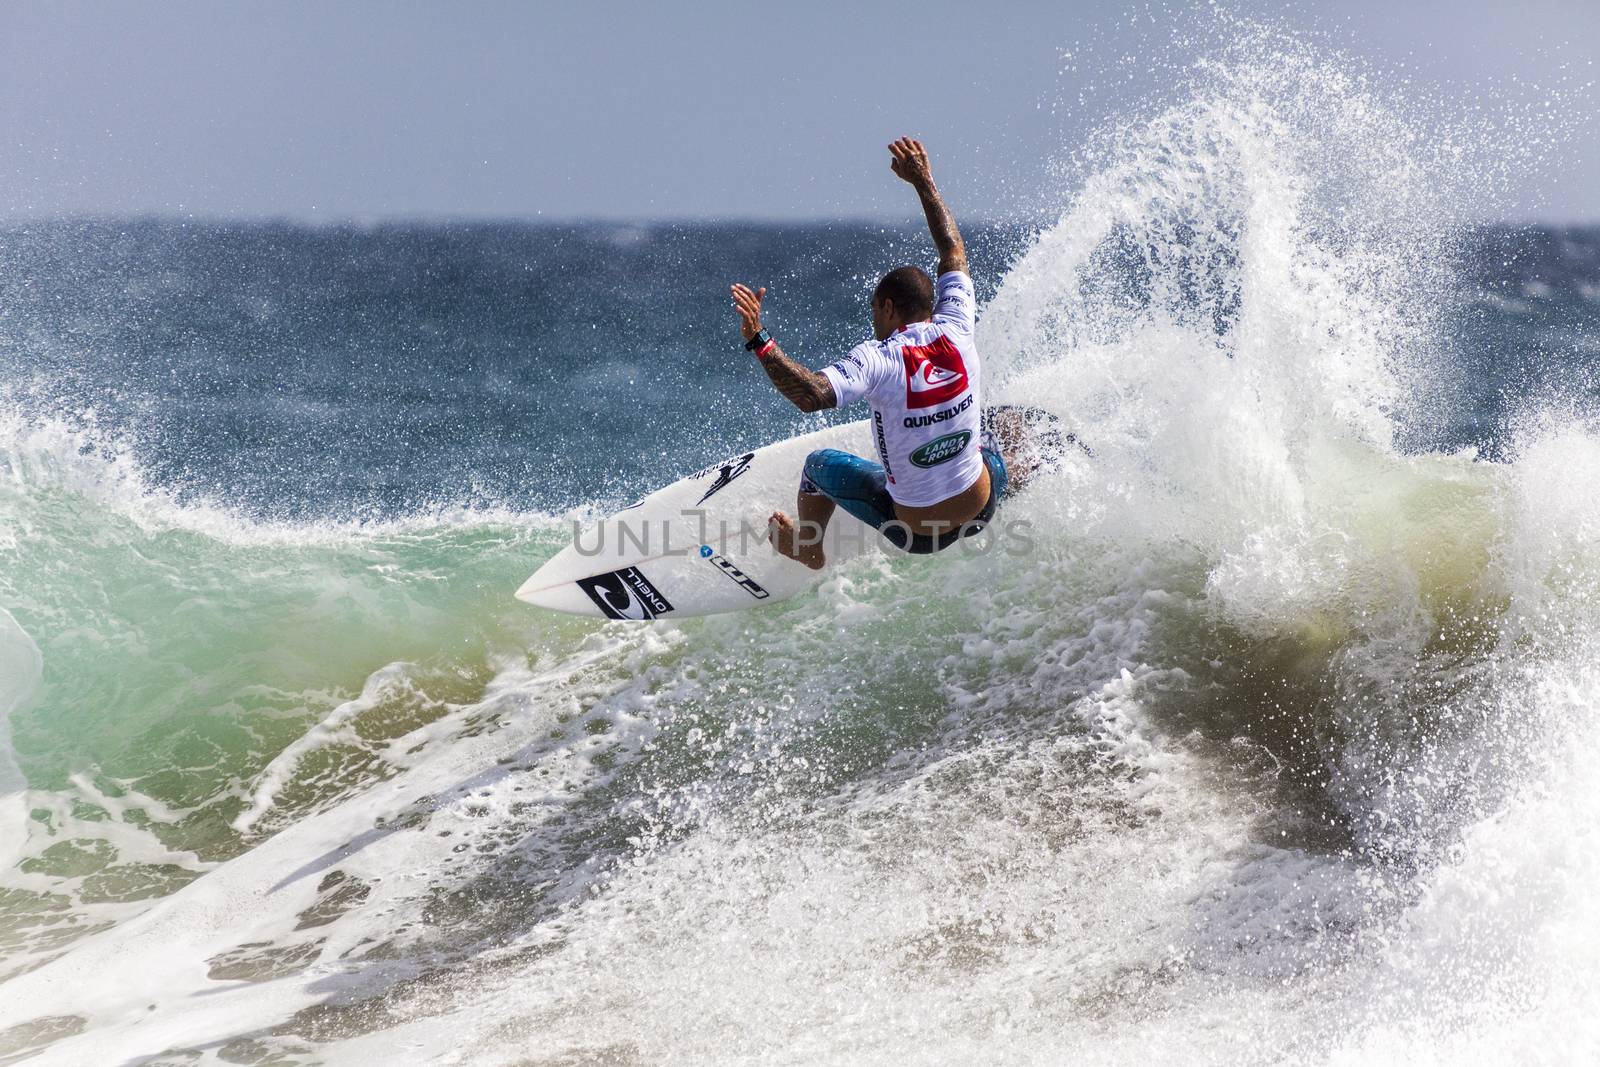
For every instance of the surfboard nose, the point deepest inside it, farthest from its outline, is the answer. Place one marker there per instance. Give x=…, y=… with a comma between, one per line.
x=529, y=590
x=544, y=592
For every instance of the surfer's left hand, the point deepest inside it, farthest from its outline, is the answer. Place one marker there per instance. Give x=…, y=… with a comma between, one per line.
x=910, y=162
x=748, y=302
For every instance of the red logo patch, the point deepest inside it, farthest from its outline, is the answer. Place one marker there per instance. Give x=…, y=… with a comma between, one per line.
x=935, y=373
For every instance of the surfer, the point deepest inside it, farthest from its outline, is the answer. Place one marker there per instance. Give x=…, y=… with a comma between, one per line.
x=937, y=478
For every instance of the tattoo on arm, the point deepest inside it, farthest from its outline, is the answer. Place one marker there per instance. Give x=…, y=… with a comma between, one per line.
x=942, y=225
x=806, y=389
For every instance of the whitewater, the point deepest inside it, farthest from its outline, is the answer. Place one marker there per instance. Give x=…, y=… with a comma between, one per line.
x=1277, y=747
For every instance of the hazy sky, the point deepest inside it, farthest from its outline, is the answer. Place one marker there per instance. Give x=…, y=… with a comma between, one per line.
x=338, y=110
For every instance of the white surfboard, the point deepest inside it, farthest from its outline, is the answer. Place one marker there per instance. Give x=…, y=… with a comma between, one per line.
x=699, y=546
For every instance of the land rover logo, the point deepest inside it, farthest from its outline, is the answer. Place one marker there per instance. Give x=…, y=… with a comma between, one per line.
x=941, y=449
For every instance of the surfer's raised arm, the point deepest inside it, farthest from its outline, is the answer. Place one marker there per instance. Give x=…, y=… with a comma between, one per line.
x=805, y=388
x=910, y=162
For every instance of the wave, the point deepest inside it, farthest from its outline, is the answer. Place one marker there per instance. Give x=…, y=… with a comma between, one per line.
x=47, y=452
x=1273, y=748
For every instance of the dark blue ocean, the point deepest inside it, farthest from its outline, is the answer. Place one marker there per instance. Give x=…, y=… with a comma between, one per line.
x=382, y=371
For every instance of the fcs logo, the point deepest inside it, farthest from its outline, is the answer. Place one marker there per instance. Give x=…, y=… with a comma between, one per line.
x=935, y=373
x=725, y=565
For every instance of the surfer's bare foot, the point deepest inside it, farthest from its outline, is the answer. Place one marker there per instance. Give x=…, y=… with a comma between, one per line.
x=785, y=537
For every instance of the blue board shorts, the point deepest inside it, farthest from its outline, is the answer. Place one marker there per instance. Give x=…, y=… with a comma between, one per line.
x=860, y=487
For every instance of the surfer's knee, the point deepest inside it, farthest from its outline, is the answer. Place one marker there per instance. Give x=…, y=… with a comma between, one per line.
x=815, y=474
x=820, y=460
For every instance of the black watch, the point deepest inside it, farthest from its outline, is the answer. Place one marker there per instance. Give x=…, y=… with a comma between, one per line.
x=761, y=338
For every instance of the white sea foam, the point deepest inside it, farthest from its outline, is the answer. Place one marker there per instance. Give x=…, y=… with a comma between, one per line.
x=20, y=666
x=47, y=452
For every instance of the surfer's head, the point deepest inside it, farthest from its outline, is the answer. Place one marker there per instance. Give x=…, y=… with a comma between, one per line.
x=904, y=295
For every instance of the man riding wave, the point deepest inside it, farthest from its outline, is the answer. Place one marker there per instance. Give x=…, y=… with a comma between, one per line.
x=937, y=479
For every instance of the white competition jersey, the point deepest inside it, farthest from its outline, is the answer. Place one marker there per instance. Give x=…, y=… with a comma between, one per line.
x=922, y=384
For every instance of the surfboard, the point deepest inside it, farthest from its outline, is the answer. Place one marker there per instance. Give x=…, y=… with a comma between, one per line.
x=699, y=546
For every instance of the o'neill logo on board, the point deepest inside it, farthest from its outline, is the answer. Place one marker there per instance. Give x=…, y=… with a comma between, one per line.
x=625, y=594
x=726, y=472
x=935, y=374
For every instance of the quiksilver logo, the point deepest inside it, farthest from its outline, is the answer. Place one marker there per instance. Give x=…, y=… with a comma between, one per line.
x=913, y=422
x=883, y=445
x=930, y=377
x=935, y=373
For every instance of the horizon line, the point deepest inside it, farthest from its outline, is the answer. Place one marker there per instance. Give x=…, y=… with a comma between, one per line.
x=443, y=220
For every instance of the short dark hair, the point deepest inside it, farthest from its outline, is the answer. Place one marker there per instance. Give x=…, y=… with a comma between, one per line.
x=911, y=290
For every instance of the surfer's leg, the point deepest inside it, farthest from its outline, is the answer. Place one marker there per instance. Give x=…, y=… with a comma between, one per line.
x=1028, y=440
x=1005, y=435
x=994, y=458
x=832, y=478
x=802, y=541
x=858, y=485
